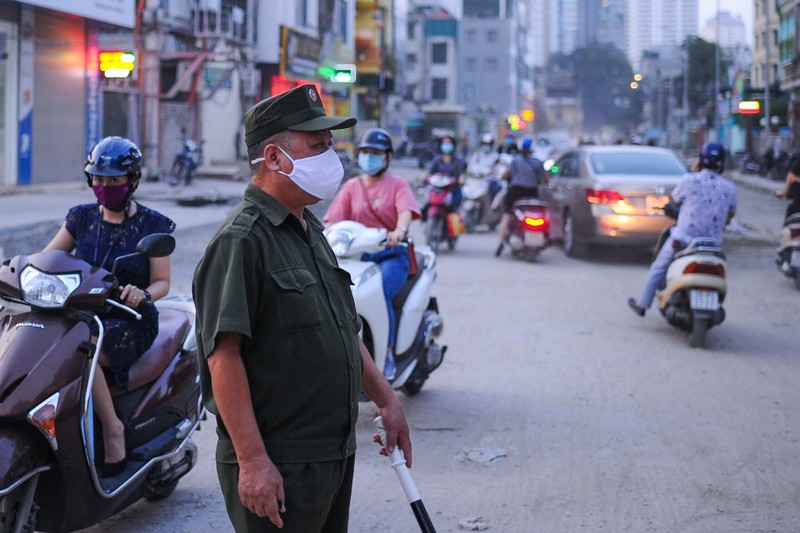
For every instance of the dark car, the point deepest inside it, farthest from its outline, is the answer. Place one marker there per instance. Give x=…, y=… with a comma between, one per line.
x=610, y=195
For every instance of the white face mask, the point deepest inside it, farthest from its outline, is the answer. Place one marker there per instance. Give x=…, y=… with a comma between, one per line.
x=318, y=175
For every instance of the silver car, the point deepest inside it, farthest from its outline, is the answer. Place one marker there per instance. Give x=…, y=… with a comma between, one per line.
x=610, y=195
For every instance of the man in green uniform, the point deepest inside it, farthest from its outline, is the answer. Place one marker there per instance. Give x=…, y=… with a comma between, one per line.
x=281, y=363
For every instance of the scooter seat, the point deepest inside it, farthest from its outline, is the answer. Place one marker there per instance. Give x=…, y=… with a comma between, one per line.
x=173, y=325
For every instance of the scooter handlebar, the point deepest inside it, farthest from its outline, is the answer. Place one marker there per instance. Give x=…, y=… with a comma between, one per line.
x=118, y=305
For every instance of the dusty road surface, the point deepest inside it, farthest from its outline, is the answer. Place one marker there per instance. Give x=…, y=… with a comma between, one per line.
x=558, y=410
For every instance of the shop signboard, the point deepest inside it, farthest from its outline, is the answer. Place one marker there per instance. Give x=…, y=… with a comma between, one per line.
x=117, y=12
x=299, y=54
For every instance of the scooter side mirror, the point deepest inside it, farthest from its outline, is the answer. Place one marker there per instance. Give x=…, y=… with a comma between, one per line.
x=156, y=245
x=153, y=245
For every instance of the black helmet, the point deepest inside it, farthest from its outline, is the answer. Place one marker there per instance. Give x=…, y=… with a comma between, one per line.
x=376, y=138
x=712, y=155
x=114, y=156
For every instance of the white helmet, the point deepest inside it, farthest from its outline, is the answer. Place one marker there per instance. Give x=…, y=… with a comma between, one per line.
x=487, y=138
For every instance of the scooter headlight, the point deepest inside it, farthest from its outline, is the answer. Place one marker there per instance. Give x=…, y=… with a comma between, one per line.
x=41, y=289
x=340, y=241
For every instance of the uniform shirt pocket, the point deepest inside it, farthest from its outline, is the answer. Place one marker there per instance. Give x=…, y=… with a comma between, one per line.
x=297, y=301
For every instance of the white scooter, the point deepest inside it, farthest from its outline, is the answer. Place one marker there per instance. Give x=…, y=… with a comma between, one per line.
x=479, y=205
x=416, y=311
x=695, y=289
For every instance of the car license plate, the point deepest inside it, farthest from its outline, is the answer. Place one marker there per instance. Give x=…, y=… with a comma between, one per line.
x=534, y=239
x=704, y=300
x=795, y=260
x=654, y=203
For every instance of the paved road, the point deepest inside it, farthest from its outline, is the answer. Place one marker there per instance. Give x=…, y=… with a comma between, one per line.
x=596, y=420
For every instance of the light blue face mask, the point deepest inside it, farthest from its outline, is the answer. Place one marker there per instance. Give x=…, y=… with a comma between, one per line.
x=372, y=164
x=447, y=148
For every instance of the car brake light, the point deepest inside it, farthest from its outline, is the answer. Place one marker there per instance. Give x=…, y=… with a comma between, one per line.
x=599, y=196
x=711, y=269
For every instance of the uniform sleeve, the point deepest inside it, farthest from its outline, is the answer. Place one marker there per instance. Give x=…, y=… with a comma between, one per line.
x=734, y=200
x=340, y=208
x=224, y=287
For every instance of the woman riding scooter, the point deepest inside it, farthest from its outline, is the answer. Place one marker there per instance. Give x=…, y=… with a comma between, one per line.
x=99, y=233
x=379, y=199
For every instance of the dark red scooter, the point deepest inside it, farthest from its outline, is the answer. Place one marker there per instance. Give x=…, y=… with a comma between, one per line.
x=49, y=437
x=529, y=230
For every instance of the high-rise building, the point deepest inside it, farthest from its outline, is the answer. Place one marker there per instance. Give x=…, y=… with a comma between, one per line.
x=651, y=24
x=495, y=66
x=602, y=21
x=725, y=29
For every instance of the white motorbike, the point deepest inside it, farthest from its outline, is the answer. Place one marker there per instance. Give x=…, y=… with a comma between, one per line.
x=416, y=353
x=695, y=289
x=479, y=205
x=789, y=249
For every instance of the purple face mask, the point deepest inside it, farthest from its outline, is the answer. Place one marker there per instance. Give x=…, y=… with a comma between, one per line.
x=112, y=197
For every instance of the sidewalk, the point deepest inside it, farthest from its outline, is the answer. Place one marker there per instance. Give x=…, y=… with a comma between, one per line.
x=205, y=201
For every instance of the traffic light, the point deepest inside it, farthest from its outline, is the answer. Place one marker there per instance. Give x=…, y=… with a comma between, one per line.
x=341, y=73
x=527, y=115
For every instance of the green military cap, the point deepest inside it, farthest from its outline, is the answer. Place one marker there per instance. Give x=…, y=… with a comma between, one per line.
x=299, y=109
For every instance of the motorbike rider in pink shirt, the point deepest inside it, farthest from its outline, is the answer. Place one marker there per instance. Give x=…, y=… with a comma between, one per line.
x=379, y=199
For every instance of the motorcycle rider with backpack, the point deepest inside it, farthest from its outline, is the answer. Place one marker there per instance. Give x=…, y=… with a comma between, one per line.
x=707, y=204
x=379, y=199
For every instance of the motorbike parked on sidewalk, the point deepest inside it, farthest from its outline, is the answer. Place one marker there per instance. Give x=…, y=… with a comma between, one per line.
x=442, y=222
x=483, y=201
x=695, y=286
x=788, y=259
x=418, y=322
x=529, y=229
x=187, y=160
x=50, y=439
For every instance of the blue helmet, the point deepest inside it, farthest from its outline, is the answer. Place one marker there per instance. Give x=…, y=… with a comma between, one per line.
x=377, y=138
x=712, y=155
x=526, y=144
x=114, y=156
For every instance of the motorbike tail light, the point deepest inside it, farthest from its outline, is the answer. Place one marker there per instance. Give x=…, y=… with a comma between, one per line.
x=712, y=269
x=537, y=223
x=43, y=418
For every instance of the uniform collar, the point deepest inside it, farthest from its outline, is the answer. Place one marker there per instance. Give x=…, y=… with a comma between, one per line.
x=275, y=211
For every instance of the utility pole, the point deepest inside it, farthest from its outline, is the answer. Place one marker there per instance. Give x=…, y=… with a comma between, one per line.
x=716, y=82
x=767, y=68
x=686, y=98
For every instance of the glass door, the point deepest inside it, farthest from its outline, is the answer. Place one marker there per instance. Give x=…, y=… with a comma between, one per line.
x=8, y=101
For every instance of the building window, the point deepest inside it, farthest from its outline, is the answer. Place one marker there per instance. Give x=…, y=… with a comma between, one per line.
x=471, y=64
x=490, y=64
x=411, y=29
x=411, y=60
x=471, y=36
x=469, y=92
x=491, y=36
x=439, y=53
x=439, y=89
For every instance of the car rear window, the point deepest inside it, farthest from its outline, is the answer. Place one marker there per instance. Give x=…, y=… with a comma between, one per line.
x=637, y=163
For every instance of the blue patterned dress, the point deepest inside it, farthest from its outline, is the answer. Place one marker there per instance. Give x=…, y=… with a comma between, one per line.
x=99, y=243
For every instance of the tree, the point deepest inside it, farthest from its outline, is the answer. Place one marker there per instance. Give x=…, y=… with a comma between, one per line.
x=604, y=77
x=702, y=66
